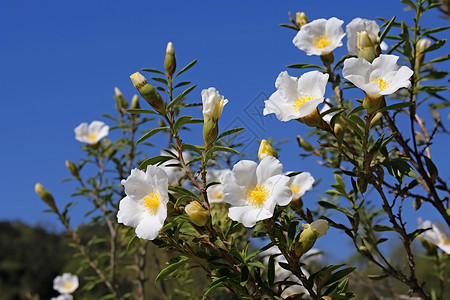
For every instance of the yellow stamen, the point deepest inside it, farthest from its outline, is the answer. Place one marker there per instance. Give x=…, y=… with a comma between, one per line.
x=68, y=286
x=299, y=102
x=152, y=202
x=382, y=85
x=322, y=42
x=295, y=188
x=92, y=136
x=217, y=194
x=257, y=196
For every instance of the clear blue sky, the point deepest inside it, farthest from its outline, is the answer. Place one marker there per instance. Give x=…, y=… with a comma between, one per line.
x=61, y=60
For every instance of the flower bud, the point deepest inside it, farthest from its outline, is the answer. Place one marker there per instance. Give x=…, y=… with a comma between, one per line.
x=421, y=46
x=366, y=47
x=198, y=215
x=337, y=128
x=210, y=132
x=419, y=138
x=373, y=103
x=135, y=102
x=304, y=144
x=266, y=149
x=148, y=92
x=309, y=235
x=313, y=119
x=121, y=102
x=73, y=169
x=170, y=63
x=45, y=195
x=300, y=19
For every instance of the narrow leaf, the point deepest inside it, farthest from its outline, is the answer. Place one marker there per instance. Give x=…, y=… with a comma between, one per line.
x=150, y=133
x=189, y=65
x=180, y=97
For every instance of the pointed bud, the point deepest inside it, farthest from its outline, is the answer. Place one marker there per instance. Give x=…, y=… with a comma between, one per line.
x=170, y=63
x=121, y=102
x=73, y=169
x=135, y=102
x=309, y=235
x=148, y=92
x=304, y=144
x=337, y=128
x=266, y=149
x=210, y=132
x=419, y=138
x=198, y=215
x=300, y=19
x=45, y=195
x=366, y=47
x=421, y=46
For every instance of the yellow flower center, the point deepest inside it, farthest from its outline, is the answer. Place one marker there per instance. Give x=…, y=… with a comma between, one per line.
x=322, y=42
x=299, y=102
x=295, y=188
x=257, y=196
x=92, y=136
x=217, y=194
x=382, y=85
x=152, y=202
x=68, y=286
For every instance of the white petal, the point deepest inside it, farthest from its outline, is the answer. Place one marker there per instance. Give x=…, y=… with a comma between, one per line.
x=81, y=132
x=268, y=167
x=357, y=71
x=275, y=105
x=304, y=181
x=245, y=173
x=314, y=83
x=232, y=192
x=400, y=80
x=149, y=228
x=383, y=46
x=247, y=215
x=130, y=213
x=335, y=32
x=281, y=193
x=309, y=107
x=136, y=185
x=286, y=86
x=358, y=25
x=385, y=63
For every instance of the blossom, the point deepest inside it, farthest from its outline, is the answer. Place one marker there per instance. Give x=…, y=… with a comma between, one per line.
x=63, y=297
x=319, y=227
x=437, y=235
x=254, y=190
x=215, y=192
x=213, y=104
x=66, y=283
x=91, y=133
x=296, y=97
x=145, y=204
x=320, y=36
x=381, y=77
x=359, y=25
x=300, y=184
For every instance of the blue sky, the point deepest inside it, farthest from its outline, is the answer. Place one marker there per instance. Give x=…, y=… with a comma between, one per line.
x=61, y=60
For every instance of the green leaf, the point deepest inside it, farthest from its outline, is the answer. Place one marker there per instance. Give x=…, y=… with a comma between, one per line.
x=439, y=59
x=429, y=89
x=377, y=277
x=339, y=275
x=141, y=111
x=197, y=149
x=153, y=160
x=306, y=66
x=410, y=3
x=381, y=227
x=210, y=152
x=417, y=232
x=189, y=65
x=326, y=204
x=173, y=265
x=256, y=264
x=159, y=79
x=289, y=26
x=387, y=28
x=271, y=270
x=434, y=30
x=180, y=97
x=395, y=106
x=230, y=131
x=153, y=71
x=354, y=126
x=183, y=191
x=181, y=84
x=355, y=110
x=180, y=122
x=150, y=133
x=436, y=45
x=214, y=284
x=431, y=168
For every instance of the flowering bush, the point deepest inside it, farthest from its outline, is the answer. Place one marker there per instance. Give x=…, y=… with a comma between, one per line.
x=243, y=223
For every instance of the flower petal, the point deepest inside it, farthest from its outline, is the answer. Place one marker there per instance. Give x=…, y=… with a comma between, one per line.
x=149, y=228
x=136, y=185
x=268, y=167
x=130, y=212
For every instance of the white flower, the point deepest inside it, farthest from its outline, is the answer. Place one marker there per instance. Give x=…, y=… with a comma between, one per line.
x=145, y=206
x=215, y=192
x=296, y=98
x=300, y=184
x=359, y=25
x=63, y=297
x=254, y=190
x=327, y=118
x=437, y=235
x=66, y=283
x=320, y=36
x=213, y=104
x=381, y=77
x=91, y=133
